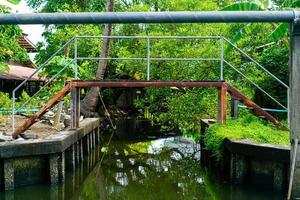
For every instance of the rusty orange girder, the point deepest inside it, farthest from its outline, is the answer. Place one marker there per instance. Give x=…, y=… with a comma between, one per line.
x=126, y=83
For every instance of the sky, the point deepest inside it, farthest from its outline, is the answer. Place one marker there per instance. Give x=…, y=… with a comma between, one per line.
x=34, y=31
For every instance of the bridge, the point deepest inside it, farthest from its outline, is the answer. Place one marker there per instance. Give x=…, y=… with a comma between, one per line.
x=74, y=87
x=219, y=59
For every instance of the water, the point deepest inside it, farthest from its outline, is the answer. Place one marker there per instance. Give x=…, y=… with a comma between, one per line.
x=149, y=170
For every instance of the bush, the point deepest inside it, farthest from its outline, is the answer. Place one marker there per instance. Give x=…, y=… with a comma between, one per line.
x=248, y=127
x=5, y=101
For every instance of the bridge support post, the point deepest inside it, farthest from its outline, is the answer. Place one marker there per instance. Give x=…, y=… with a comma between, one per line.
x=75, y=107
x=294, y=102
x=222, y=104
x=234, y=107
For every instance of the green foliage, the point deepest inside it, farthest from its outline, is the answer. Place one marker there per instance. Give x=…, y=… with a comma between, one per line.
x=57, y=64
x=5, y=101
x=243, y=6
x=280, y=31
x=9, y=47
x=14, y=1
x=24, y=98
x=249, y=128
x=67, y=5
x=56, y=37
x=275, y=59
x=186, y=109
x=4, y=67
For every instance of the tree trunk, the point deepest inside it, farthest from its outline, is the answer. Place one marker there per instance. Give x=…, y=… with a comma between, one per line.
x=90, y=101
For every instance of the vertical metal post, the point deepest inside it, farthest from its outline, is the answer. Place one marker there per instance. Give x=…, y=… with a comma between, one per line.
x=294, y=102
x=75, y=107
x=222, y=59
x=222, y=104
x=75, y=59
x=292, y=168
x=234, y=107
x=13, y=110
x=288, y=107
x=148, y=58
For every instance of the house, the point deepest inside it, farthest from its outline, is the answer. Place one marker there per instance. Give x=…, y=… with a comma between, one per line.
x=18, y=72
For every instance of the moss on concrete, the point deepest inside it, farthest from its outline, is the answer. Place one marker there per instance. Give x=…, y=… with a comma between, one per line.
x=248, y=127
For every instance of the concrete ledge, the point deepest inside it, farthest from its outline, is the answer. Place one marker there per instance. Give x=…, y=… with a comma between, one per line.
x=52, y=144
x=28, y=162
x=258, y=150
x=264, y=165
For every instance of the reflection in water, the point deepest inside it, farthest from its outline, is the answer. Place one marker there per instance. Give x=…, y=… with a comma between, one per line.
x=160, y=169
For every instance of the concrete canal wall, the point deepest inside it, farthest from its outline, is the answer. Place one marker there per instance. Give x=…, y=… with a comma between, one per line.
x=251, y=163
x=30, y=162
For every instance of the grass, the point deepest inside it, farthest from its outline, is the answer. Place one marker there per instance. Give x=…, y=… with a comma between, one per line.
x=248, y=127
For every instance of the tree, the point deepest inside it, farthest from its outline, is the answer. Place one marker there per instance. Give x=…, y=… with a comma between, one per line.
x=9, y=46
x=90, y=101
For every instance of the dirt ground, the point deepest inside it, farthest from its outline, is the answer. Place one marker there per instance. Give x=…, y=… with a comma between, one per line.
x=42, y=128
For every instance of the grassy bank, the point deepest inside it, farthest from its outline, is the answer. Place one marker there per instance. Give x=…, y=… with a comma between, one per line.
x=248, y=127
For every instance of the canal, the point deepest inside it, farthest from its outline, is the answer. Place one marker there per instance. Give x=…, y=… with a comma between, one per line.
x=154, y=169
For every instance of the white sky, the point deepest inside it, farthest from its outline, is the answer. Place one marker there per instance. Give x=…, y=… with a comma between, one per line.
x=34, y=31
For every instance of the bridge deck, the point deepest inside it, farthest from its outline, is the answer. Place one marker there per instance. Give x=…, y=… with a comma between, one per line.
x=126, y=83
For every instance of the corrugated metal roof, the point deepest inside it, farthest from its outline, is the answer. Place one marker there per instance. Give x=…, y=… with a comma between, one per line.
x=18, y=72
x=25, y=43
x=28, y=63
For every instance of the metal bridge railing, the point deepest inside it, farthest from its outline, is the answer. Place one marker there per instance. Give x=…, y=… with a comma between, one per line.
x=148, y=58
x=14, y=110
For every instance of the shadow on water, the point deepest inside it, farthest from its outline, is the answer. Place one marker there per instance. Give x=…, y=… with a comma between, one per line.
x=165, y=168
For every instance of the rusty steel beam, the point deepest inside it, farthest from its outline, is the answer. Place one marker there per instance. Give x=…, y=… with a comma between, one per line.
x=75, y=107
x=234, y=107
x=52, y=102
x=99, y=83
x=253, y=106
x=222, y=104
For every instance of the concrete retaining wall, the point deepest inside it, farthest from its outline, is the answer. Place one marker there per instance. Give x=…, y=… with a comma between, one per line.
x=46, y=160
x=251, y=163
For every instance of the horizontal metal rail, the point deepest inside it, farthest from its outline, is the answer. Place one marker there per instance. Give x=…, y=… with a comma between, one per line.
x=267, y=109
x=128, y=83
x=257, y=86
x=157, y=59
x=150, y=37
x=150, y=17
